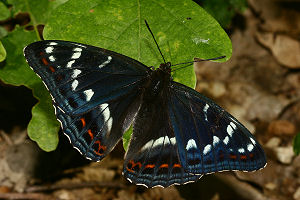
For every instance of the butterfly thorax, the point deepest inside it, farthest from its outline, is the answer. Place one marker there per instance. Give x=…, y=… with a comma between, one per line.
x=158, y=82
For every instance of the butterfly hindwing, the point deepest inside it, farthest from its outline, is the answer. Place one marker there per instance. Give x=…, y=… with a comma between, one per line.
x=96, y=132
x=80, y=77
x=152, y=156
x=209, y=138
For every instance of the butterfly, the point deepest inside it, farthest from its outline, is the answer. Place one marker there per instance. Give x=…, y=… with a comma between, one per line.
x=178, y=134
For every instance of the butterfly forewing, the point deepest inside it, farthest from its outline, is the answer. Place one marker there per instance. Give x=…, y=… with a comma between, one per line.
x=80, y=77
x=94, y=91
x=209, y=138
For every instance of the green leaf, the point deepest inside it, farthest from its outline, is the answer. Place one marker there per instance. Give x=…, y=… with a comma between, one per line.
x=3, y=32
x=184, y=31
x=2, y=52
x=39, y=11
x=16, y=70
x=297, y=144
x=43, y=127
x=119, y=26
x=4, y=11
x=126, y=138
x=224, y=11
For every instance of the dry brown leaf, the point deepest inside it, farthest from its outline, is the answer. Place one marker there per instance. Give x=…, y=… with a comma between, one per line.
x=285, y=49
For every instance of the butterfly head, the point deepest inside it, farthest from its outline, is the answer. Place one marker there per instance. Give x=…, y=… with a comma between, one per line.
x=166, y=67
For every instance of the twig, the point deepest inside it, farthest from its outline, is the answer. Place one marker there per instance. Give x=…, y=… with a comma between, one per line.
x=243, y=189
x=23, y=196
x=74, y=186
x=6, y=138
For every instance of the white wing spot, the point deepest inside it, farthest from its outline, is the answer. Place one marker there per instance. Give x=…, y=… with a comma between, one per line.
x=226, y=140
x=80, y=45
x=232, y=125
x=191, y=144
x=229, y=130
x=253, y=141
x=77, y=49
x=109, y=124
x=205, y=111
x=167, y=140
x=49, y=49
x=148, y=145
x=88, y=94
x=74, y=85
x=250, y=147
x=241, y=150
x=159, y=141
x=216, y=140
x=109, y=58
x=206, y=149
x=76, y=72
x=51, y=58
x=53, y=43
x=173, y=140
x=76, y=55
x=106, y=114
x=70, y=63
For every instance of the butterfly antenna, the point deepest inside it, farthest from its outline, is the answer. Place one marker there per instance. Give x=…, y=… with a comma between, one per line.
x=155, y=41
x=200, y=60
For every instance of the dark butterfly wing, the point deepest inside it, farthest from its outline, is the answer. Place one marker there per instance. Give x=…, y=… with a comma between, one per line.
x=152, y=156
x=95, y=92
x=80, y=77
x=96, y=132
x=209, y=139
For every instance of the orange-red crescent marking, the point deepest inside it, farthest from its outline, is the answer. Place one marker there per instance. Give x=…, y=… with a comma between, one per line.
x=99, y=148
x=45, y=61
x=139, y=164
x=83, y=122
x=130, y=170
x=133, y=164
x=164, y=166
x=52, y=69
x=232, y=156
x=149, y=166
x=243, y=157
x=176, y=165
x=91, y=134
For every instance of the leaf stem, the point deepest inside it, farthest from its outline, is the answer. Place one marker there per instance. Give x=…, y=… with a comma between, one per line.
x=33, y=21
